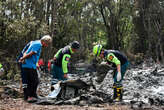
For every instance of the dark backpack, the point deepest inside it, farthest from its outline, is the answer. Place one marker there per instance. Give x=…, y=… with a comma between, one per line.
x=22, y=52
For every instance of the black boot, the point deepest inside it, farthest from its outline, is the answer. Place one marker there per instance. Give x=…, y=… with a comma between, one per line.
x=114, y=92
x=119, y=92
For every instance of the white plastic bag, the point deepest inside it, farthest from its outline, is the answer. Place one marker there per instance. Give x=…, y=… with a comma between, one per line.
x=55, y=92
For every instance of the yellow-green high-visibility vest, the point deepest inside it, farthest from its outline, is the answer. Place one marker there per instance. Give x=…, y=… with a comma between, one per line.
x=0, y=65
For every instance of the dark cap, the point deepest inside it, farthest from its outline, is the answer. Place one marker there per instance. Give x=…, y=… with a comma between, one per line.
x=75, y=45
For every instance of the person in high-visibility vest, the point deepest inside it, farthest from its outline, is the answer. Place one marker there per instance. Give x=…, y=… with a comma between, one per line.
x=59, y=67
x=119, y=62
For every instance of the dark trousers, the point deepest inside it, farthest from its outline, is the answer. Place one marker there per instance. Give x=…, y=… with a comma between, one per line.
x=30, y=82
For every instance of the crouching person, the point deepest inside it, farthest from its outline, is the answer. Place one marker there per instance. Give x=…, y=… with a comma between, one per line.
x=59, y=66
x=118, y=61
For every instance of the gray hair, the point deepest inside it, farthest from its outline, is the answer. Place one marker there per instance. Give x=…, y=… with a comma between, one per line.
x=46, y=39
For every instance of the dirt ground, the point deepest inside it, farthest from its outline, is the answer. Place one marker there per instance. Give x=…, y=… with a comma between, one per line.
x=19, y=104
x=143, y=85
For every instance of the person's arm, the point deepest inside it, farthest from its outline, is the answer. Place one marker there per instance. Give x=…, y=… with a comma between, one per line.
x=56, y=55
x=112, y=58
x=26, y=56
x=116, y=61
x=34, y=48
x=65, y=61
x=119, y=68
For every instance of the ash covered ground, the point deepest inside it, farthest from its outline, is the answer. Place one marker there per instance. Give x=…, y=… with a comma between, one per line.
x=143, y=90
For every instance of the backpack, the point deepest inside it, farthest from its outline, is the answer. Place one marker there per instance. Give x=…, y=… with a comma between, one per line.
x=22, y=52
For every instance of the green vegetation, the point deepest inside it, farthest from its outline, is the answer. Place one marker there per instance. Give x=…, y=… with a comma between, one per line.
x=131, y=26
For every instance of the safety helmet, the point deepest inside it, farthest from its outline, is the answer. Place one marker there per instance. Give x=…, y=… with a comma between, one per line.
x=75, y=45
x=97, y=49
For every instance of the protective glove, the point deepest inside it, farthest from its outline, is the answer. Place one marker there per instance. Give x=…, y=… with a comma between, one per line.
x=118, y=76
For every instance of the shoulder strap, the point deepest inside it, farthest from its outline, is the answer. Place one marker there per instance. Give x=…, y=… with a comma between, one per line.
x=26, y=47
x=22, y=52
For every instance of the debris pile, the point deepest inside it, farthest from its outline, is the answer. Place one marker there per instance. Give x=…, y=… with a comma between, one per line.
x=143, y=87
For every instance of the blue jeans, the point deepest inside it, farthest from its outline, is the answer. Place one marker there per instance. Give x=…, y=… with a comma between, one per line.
x=123, y=70
x=57, y=74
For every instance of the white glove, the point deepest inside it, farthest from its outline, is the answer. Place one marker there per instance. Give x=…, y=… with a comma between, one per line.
x=118, y=76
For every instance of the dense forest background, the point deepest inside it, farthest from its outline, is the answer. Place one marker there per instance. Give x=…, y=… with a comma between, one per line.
x=134, y=27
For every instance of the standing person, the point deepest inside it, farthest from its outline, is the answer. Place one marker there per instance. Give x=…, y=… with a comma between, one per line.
x=59, y=68
x=28, y=67
x=120, y=62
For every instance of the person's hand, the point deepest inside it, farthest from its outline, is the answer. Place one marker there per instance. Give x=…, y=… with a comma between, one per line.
x=21, y=60
x=54, y=58
x=65, y=75
x=118, y=76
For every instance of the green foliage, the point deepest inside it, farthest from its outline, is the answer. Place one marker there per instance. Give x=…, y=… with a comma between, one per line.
x=112, y=23
x=101, y=37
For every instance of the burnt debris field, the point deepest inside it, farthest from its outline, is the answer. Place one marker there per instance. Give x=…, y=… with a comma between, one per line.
x=143, y=90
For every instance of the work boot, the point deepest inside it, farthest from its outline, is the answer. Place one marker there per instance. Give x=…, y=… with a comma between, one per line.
x=121, y=93
x=118, y=92
x=114, y=92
